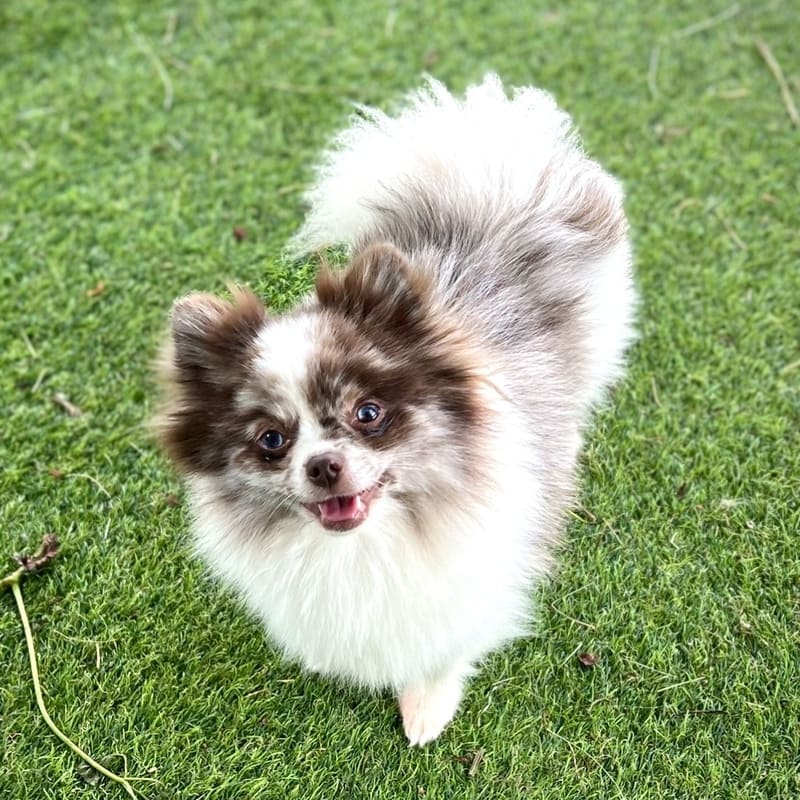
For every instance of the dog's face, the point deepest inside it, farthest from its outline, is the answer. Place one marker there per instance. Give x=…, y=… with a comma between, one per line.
x=365, y=401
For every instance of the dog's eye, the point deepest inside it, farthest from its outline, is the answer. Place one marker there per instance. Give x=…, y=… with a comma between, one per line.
x=272, y=440
x=370, y=418
x=368, y=413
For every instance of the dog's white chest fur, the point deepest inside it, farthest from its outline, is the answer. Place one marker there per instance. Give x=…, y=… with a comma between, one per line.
x=387, y=606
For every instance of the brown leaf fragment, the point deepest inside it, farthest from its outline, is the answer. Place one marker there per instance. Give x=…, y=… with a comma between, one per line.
x=172, y=500
x=98, y=289
x=588, y=660
x=55, y=473
x=431, y=58
x=66, y=405
x=89, y=774
x=47, y=551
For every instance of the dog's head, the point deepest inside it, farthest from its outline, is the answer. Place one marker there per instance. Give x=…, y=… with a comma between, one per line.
x=365, y=401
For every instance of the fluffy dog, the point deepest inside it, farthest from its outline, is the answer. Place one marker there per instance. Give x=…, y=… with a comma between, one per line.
x=382, y=473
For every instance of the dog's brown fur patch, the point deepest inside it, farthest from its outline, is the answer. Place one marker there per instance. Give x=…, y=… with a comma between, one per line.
x=388, y=338
x=206, y=358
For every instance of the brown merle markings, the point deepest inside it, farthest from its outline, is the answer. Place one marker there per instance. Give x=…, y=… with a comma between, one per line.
x=206, y=359
x=211, y=336
x=387, y=340
x=516, y=275
x=381, y=293
x=580, y=221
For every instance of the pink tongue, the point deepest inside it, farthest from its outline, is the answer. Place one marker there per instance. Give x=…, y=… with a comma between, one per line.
x=340, y=508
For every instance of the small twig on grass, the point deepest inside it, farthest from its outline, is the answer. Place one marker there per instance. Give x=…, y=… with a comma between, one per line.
x=30, y=153
x=656, y=397
x=652, y=71
x=172, y=26
x=735, y=238
x=679, y=684
x=729, y=229
x=290, y=188
x=473, y=761
x=91, y=480
x=66, y=405
x=29, y=564
x=477, y=760
x=789, y=368
x=710, y=22
x=158, y=65
x=37, y=384
x=777, y=73
x=687, y=202
x=29, y=344
x=735, y=94
x=689, y=30
x=572, y=619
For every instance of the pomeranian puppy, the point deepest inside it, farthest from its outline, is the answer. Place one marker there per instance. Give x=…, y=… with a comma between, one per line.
x=382, y=473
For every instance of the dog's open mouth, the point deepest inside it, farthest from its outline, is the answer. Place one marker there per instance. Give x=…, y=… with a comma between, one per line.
x=345, y=512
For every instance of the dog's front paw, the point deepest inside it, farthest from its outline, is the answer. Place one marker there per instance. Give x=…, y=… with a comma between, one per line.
x=426, y=710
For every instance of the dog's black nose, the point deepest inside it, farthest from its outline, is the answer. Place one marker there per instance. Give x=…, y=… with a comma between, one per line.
x=324, y=470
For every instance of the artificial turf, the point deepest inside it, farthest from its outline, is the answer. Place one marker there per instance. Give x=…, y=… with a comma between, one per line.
x=134, y=137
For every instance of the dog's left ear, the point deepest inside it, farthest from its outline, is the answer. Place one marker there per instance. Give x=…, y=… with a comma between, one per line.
x=379, y=287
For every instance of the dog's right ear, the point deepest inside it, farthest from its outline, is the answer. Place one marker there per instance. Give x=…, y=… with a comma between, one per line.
x=210, y=336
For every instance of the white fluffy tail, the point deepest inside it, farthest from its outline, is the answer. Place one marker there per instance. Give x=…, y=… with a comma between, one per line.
x=486, y=146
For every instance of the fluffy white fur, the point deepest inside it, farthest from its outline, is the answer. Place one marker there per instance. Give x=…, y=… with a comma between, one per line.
x=485, y=147
x=415, y=608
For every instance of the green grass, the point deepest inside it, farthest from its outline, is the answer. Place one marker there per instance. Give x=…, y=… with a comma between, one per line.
x=682, y=568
